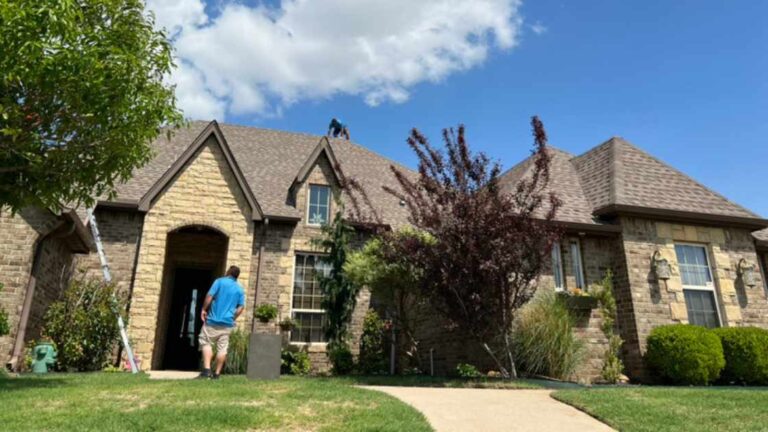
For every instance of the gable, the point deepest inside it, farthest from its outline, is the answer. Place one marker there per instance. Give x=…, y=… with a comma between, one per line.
x=210, y=143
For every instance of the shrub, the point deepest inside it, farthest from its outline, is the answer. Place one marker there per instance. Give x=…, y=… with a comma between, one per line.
x=5, y=327
x=265, y=312
x=342, y=361
x=83, y=324
x=465, y=370
x=613, y=367
x=237, y=354
x=746, y=354
x=372, y=357
x=544, y=339
x=295, y=362
x=685, y=354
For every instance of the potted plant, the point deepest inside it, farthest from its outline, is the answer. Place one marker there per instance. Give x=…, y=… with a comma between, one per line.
x=579, y=299
x=266, y=312
x=287, y=324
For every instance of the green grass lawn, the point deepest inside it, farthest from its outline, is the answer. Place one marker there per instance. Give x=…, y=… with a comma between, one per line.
x=639, y=409
x=105, y=402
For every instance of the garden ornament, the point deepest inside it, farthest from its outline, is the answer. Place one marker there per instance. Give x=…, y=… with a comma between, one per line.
x=661, y=266
x=746, y=272
x=43, y=357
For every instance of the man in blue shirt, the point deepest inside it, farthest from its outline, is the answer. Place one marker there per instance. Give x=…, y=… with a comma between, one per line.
x=223, y=305
x=337, y=128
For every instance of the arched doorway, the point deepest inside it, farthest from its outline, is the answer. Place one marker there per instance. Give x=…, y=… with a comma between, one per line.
x=195, y=256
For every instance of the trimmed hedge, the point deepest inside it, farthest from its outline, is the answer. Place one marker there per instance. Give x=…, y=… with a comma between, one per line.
x=685, y=354
x=746, y=355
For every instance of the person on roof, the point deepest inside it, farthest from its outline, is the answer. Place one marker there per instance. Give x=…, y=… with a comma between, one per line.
x=337, y=128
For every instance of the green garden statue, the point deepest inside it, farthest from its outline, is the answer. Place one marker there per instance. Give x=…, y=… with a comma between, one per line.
x=43, y=357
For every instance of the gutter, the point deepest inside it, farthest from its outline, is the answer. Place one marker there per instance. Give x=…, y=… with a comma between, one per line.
x=264, y=229
x=684, y=216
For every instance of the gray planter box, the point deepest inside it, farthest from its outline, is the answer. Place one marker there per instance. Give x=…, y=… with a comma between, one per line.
x=264, y=356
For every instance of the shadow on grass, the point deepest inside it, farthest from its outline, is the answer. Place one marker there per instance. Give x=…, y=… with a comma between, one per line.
x=25, y=382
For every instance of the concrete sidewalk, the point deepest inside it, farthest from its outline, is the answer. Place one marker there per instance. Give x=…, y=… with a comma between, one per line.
x=172, y=375
x=488, y=410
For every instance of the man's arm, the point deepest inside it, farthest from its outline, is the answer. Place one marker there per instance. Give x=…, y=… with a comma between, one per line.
x=240, y=305
x=239, y=311
x=206, y=306
x=208, y=300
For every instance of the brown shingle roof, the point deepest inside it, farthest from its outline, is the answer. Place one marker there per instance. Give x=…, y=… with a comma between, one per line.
x=270, y=161
x=564, y=181
x=618, y=173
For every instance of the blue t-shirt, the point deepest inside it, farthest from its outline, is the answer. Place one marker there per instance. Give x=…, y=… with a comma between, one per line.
x=227, y=297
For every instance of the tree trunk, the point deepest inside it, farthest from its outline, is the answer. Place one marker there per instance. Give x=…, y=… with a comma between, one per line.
x=502, y=369
x=510, y=356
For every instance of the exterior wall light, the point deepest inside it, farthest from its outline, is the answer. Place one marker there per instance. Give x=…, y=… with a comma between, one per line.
x=661, y=266
x=746, y=272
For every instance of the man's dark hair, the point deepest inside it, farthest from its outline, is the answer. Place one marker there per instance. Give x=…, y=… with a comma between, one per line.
x=234, y=272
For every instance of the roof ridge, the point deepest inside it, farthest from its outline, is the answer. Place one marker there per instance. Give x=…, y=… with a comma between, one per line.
x=616, y=168
x=319, y=137
x=686, y=176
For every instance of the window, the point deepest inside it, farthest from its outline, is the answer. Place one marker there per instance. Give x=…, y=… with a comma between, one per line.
x=578, y=268
x=307, y=298
x=557, y=267
x=319, y=206
x=698, y=288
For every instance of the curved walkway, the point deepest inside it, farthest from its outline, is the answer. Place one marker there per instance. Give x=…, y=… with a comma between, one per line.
x=488, y=410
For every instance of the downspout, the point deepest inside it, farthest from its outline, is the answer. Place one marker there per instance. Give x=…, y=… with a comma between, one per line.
x=259, y=269
x=21, y=332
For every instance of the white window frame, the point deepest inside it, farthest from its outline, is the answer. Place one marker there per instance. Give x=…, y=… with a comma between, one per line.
x=557, y=266
x=709, y=287
x=291, y=309
x=309, y=200
x=578, y=263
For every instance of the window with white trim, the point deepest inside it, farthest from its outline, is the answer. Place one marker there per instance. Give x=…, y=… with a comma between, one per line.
x=307, y=299
x=698, y=286
x=578, y=268
x=557, y=267
x=319, y=205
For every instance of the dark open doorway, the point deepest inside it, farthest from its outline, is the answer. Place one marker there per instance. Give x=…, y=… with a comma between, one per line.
x=195, y=256
x=181, y=346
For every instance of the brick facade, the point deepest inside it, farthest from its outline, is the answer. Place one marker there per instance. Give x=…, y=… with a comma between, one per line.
x=655, y=302
x=204, y=194
x=282, y=242
x=30, y=245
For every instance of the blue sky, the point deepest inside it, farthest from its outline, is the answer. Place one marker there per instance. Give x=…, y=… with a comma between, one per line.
x=685, y=80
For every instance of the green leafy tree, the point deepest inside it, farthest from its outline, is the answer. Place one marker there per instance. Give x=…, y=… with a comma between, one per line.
x=394, y=281
x=81, y=97
x=340, y=292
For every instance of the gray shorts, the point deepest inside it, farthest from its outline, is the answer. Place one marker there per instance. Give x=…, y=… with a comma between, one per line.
x=212, y=335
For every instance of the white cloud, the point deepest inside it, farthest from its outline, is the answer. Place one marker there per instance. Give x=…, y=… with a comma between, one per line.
x=257, y=60
x=538, y=28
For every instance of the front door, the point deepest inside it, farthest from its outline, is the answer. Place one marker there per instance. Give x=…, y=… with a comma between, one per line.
x=190, y=287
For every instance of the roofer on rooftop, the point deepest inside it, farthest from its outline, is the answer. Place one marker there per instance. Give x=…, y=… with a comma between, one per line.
x=337, y=128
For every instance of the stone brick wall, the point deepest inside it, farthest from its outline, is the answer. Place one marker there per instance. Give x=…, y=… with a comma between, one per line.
x=206, y=194
x=18, y=236
x=52, y=276
x=120, y=235
x=281, y=244
x=657, y=303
